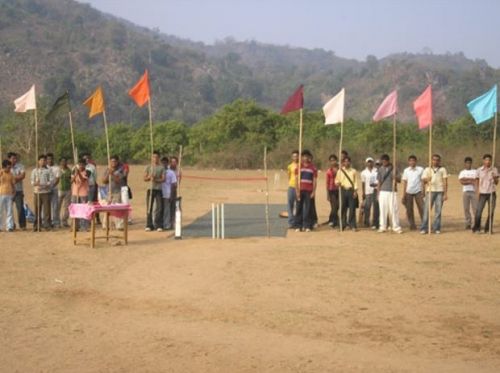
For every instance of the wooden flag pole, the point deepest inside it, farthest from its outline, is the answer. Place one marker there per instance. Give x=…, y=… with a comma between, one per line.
x=151, y=139
x=493, y=155
x=38, y=209
x=1, y=153
x=179, y=172
x=75, y=155
x=340, y=170
x=429, y=203
x=109, y=154
x=268, y=227
x=301, y=125
x=394, y=166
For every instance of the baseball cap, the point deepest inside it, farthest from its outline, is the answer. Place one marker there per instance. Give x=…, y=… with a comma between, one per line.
x=369, y=159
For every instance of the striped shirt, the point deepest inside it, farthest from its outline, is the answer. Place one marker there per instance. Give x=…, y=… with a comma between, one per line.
x=307, y=176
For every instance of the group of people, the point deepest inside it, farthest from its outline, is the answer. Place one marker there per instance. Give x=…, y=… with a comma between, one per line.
x=375, y=192
x=56, y=186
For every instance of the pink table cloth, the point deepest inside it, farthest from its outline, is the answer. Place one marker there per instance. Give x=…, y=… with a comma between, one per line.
x=86, y=211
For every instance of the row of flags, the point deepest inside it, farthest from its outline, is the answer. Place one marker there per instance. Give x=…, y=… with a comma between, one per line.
x=140, y=93
x=481, y=108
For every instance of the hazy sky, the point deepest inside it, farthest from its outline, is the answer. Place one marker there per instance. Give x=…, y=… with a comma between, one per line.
x=351, y=28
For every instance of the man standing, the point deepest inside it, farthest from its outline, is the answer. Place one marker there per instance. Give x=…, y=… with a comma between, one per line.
x=42, y=181
x=332, y=191
x=292, y=183
x=436, y=182
x=64, y=194
x=369, y=193
x=155, y=176
x=80, y=189
x=173, y=198
x=93, y=196
x=412, y=191
x=387, y=177
x=7, y=192
x=347, y=179
x=117, y=181
x=487, y=180
x=19, y=174
x=305, y=192
x=467, y=178
x=166, y=186
x=54, y=198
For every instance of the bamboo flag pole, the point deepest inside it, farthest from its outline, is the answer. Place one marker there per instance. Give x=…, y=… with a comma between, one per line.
x=38, y=209
x=429, y=202
x=109, y=154
x=179, y=172
x=268, y=227
x=394, y=165
x=301, y=130
x=493, y=155
x=75, y=154
x=340, y=170
x=151, y=138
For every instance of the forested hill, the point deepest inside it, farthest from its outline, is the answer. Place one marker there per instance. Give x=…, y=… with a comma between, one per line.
x=63, y=44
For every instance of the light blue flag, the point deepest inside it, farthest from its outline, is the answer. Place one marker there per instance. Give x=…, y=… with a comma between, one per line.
x=484, y=107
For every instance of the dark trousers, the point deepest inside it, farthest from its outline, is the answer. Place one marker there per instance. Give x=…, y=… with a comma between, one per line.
x=334, y=207
x=303, y=214
x=371, y=204
x=41, y=201
x=154, y=214
x=314, y=214
x=483, y=200
x=348, y=203
x=410, y=214
x=21, y=215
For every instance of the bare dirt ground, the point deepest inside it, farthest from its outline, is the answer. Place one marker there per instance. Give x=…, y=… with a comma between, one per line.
x=313, y=302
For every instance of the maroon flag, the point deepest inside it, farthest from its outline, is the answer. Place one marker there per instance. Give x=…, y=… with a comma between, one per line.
x=295, y=101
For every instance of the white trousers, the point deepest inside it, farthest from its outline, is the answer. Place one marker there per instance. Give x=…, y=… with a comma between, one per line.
x=389, y=208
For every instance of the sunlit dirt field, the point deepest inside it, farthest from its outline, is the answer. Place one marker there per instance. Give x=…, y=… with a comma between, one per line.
x=312, y=302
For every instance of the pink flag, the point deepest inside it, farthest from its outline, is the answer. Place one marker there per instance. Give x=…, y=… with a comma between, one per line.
x=423, y=108
x=388, y=108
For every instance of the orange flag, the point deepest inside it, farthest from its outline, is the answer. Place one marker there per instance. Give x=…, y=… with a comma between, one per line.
x=140, y=92
x=95, y=103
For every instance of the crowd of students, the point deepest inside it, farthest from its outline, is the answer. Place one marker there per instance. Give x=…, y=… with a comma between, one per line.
x=375, y=192
x=56, y=186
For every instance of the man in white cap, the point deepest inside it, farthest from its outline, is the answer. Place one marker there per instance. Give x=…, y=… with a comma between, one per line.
x=369, y=193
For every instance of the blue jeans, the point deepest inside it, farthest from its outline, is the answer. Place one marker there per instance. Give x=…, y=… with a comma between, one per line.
x=6, y=211
x=292, y=200
x=303, y=215
x=437, y=202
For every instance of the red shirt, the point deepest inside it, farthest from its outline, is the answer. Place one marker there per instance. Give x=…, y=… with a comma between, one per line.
x=307, y=175
x=330, y=179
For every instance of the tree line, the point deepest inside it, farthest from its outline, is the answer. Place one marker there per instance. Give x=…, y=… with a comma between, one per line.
x=235, y=137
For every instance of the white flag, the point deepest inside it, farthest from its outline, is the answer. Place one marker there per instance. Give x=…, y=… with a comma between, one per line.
x=334, y=109
x=26, y=102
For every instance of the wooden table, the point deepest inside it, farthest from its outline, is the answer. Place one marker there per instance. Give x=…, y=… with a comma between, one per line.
x=90, y=211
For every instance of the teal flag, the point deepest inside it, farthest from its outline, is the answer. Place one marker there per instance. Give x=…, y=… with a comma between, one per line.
x=484, y=107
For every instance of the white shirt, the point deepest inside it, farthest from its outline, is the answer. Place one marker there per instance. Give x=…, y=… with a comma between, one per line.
x=166, y=186
x=56, y=174
x=369, y=178
x=468, y=174
x=413, y=178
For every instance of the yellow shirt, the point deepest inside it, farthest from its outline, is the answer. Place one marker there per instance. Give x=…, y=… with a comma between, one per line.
x=292, y=177
x=6, y=183
x=344, y=182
